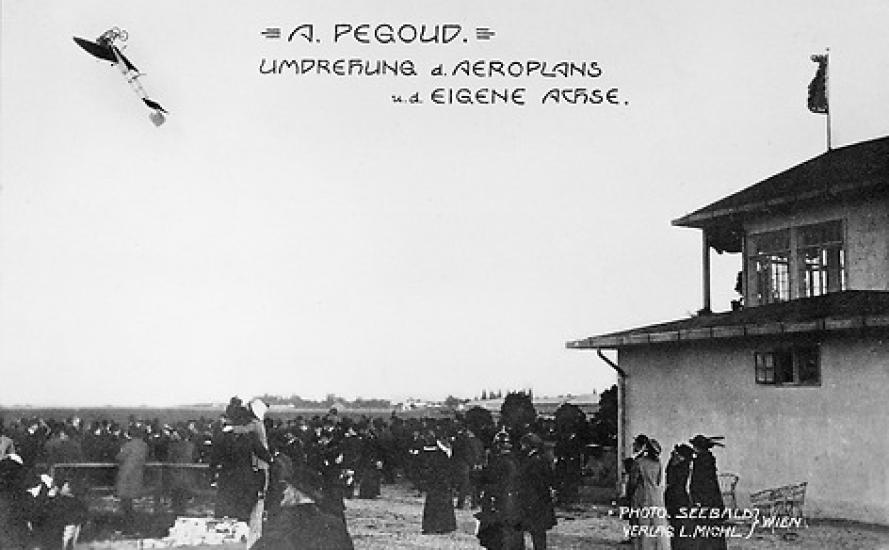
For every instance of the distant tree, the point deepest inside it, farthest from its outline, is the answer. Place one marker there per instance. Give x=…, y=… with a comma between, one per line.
x=604, y=421
x=376, y=403
x=569, y=420
x=481, y=422
x=517, y=413
x=451, y=401
x=330, y=399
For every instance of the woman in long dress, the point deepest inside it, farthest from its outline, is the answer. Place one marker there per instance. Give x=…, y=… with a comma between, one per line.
x=436, y=482
x=676, y=499
x=704, y=491
x=647, y=498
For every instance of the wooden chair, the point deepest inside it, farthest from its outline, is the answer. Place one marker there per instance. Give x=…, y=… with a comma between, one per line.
x=727, y=483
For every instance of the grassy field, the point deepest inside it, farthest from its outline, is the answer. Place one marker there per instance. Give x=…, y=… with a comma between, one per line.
x=166, y=415
x=171, y=415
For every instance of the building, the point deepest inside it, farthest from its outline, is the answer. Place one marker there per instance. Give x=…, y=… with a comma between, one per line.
x=796, y=375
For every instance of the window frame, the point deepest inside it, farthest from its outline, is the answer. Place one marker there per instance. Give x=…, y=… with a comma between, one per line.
x=769, y=363
x=780, y=267
x=766, y=260
x=831, y=278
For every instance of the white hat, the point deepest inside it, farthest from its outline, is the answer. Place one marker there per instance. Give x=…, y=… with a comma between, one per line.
x=15, y=458
x=258, y=408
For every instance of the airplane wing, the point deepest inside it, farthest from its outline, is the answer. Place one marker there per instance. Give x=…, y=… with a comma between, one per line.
x=96, y=50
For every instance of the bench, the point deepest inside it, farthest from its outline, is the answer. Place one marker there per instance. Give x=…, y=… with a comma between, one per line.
x=786, y=501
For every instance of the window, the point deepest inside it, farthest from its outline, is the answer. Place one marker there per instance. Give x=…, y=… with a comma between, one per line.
x=821, y=259
x=765, y=368
x=798, y=262
x=794, y=366
x=770, y=263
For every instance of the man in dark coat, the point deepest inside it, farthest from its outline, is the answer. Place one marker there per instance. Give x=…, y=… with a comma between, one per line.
x=64, y=446
x=469, y=458
x=131, y=467
x=13, y=510
x=500, y=518
x=327, y=459
x=535, y=490
x=370, y=466
x=232, y=460
x=180, y=450
x=63, y=514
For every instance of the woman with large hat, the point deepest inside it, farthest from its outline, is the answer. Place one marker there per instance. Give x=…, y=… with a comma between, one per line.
x=646, y=498
x=704, y=490
x=676, y=499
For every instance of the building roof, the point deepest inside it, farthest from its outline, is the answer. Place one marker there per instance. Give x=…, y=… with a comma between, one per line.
x=849, y=310
x=859, y=170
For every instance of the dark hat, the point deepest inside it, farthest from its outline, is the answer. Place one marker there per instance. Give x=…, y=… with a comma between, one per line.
x=704, y=442
x=683, y=450
x=653, y=448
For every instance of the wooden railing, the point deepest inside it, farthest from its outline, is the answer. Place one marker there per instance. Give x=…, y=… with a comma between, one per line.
x=159, y=478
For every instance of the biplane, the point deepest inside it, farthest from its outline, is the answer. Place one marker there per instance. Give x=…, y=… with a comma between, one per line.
x=104, y=48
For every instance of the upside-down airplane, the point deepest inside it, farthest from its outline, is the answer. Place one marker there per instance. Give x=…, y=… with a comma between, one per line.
x=105, y=49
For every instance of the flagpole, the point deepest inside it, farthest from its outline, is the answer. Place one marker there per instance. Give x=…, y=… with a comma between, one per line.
x=827, y=93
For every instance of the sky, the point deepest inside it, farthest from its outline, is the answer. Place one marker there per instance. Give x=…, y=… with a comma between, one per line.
x=305, y=234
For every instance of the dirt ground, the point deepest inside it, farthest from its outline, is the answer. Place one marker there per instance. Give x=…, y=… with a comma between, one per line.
x=392, y=522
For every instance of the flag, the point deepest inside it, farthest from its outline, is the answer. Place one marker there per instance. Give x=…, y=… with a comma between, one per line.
x=818, y=86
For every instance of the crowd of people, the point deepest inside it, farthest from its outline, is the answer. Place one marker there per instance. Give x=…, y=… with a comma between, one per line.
x=679, y=506
x=288, y=478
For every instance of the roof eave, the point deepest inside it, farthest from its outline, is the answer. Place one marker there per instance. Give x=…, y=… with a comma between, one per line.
x=706, y=217
x=722, y=332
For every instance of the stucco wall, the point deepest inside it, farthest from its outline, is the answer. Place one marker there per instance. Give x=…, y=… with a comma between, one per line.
x=867, y=238
x=835, y=436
